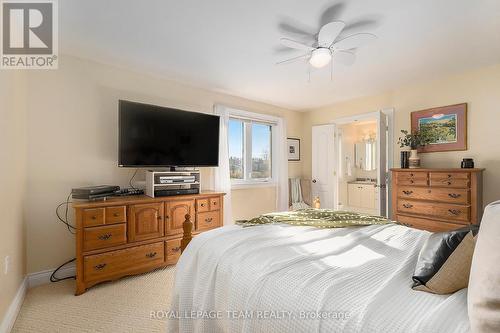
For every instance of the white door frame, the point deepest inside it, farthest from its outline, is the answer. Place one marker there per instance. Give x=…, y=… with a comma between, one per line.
x=389, y=112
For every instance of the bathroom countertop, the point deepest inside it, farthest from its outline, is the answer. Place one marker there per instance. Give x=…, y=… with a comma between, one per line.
x=362, y=182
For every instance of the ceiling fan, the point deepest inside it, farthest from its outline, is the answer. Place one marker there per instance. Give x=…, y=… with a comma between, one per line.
x=328, y=46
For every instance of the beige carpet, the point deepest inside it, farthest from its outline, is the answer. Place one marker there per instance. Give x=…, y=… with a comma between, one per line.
x=121, y=306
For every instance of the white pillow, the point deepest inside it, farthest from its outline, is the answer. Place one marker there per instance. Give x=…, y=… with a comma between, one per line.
x=484, y=283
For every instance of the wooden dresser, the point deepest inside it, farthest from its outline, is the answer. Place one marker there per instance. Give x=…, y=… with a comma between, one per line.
x=437, y=199
x=135, y=234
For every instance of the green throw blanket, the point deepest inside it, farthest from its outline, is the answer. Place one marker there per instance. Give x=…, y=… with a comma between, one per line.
x=320, y=218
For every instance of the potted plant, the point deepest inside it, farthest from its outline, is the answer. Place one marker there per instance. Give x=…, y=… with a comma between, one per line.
x=413, y=141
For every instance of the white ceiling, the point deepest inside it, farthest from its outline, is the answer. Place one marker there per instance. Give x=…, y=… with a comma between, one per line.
x=232, y=45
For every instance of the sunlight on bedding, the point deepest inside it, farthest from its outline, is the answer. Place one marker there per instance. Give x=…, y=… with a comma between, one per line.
x=365, y=271
x=355, y=257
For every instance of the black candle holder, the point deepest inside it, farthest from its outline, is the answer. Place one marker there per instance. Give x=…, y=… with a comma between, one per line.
x=405, y=162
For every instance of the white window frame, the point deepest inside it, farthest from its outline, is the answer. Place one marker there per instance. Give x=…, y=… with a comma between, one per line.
x=248, y=118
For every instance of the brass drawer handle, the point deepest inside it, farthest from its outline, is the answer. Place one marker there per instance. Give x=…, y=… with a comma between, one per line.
x=151, y=255
x=407, y=205
x=408, y=192
x=94, y=217
x=99, y=267
x=454, y=195
x=208, y=219
x=412, y=181
x=105, y=237
x=176, y=249
x=116, y=214
x=454, y=211
x=202, y=205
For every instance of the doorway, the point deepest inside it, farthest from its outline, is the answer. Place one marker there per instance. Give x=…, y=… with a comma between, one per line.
x=350, y=161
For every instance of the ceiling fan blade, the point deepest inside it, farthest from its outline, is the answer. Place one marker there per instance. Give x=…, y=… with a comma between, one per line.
x=344, y=57
x=288, y=61
x=329, y=32
x=331, y=13
x=297, y=29
x=295, y=45
x=353, y=41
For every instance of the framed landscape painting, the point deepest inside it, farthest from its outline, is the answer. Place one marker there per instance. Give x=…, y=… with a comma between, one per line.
x=446, y=126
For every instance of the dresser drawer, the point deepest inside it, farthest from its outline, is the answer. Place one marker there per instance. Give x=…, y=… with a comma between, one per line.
x=202, y=205
x=173, y=250
x=214, y=203
x=450, y=179
x=412, y=178
x=116, y=214
x=106, y=236
x=439, y=210
x=430, y=225
x=99, y=216
x=116, y=263
x=93, y=217
x=455, y=196
x=208, y=220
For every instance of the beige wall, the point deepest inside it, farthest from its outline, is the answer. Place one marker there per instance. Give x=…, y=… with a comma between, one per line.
x=72, y=135
x=479, y=88
x=12, y=179
x=72, y=138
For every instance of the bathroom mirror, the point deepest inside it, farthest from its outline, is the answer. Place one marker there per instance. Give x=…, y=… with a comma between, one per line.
x=365, y=155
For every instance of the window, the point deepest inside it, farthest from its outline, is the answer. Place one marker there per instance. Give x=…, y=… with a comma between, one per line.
x=250, y=151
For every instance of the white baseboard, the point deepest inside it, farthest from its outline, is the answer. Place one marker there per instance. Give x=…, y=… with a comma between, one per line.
x=14, y=308
x=43, y=277
x=30, y=281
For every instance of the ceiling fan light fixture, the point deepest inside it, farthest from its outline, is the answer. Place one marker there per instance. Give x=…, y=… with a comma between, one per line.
x=320, y=57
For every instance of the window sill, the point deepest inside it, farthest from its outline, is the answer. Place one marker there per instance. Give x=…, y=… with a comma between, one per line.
x=247, y=185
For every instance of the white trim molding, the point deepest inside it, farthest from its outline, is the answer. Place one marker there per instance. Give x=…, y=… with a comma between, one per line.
x=30, y=281
x=43, y=277
x=13, y=310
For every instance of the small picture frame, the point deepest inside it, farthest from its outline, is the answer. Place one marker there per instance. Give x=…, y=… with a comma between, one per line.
x=293, y=149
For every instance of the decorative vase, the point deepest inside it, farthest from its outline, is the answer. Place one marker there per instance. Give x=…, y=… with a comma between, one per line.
x=414, y=159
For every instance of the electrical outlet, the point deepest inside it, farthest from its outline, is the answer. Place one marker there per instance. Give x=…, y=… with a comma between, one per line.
x=6, y=265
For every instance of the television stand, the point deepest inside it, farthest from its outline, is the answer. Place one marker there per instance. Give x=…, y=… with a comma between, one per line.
x=168, y=183
x=136, y=234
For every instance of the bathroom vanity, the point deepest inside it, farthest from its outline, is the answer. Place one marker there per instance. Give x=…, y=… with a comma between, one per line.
x=362, y=195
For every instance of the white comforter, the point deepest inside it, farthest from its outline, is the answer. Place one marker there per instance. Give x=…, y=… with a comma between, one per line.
x=280, y=278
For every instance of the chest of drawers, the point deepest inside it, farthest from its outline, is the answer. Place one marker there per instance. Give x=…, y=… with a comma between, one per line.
x=437, y=199
x=131, y=235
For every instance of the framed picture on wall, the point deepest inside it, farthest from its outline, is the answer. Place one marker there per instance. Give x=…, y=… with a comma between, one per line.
x=446, y=126
x=293, y=149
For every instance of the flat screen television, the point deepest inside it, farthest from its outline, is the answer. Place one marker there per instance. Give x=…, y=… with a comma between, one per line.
x=154, y=136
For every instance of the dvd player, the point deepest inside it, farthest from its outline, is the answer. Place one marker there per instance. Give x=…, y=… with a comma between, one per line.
x=170, y=192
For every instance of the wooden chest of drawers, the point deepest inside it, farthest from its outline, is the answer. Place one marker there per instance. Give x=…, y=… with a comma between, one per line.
x=131, y=235
x=437, y=199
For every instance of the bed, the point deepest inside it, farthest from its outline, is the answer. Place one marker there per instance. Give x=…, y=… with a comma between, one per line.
x=284, y=278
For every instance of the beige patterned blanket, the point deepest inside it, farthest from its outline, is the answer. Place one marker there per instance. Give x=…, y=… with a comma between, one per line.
x=320, y=218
